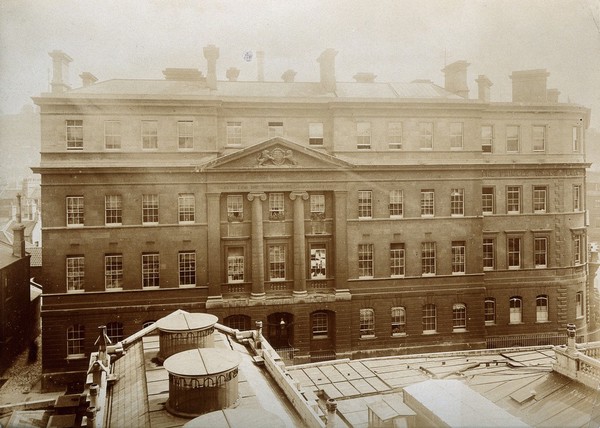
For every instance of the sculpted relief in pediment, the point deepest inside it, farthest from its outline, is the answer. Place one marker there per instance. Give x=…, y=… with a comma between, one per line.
x=276, y=157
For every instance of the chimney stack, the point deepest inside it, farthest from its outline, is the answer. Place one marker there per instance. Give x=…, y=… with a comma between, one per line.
x=211, y=53
x=327, y=61
x=455, y=80
x=529, y=86
x=288, y=76
x=232, y=74
x=260, y=60
x=60, y=71
x=483, y=88
x=88, y=78
x=19, y=233
x=364, y=77
x=331, y=405
x=552, y=95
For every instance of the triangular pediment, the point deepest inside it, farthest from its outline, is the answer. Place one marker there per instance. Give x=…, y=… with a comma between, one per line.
x=277, y=153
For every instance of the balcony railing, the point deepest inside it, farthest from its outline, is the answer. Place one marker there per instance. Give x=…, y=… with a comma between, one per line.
x=319, y=284
x=537, y=339
x=279, y=286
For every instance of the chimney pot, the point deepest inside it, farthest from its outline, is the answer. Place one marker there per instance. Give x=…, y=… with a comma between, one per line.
x=483, y=88
x=552, y=95
x=529, y=86
x=327, y=61
x=364, y=77
x=211, y=54
x=260, y=61
x=456, y=78
x=60, y=71
x=88, y=78
x=232, y=74
x=19, y=233
x=288, y=76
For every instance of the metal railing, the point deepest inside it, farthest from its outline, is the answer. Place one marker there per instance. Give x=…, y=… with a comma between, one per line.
x=537, y=339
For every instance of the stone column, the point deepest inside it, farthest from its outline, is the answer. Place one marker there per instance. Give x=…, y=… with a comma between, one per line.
x=213, y=219
x=299, y=242
x=258, y=258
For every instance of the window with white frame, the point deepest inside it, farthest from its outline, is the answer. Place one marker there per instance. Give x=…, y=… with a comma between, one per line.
x=577, y=198
x=457, y=202
x=512, y=139
x=365, y=260
x=367, y=323
x=363, y=135
x=539, y=138
x=394, y=135
x=320, y=325
x=365, y=204
x=515, y=307
x=396, y=203
x=459, y=317
x=577, y=249
x=513, y=199
x=317, y=206
x=315, y=134
x=235, y=207
x=150, y=209
x=541, y=308
x=277, y=262
x=318, y=261
x=489, y=311
x=113, y=272
x=488, y=200
x=149, y=134
x=458, y=257
x=275, y=129
x=75, y=273
x=540, y=199
x=427, y=202
x=185, y=134
x=397, y=260
x=514, y=252
x=398, y=321
x=575, y=139
x=186, y=207
x=76, y=341
x=187, y=268
x=74, y=134
x=234, y=133
x=579, y=305
x=489, y=254
x=114, y=331
x=113, y=209
x=235, y=264
x=276, y=206
x=456, y=135
x=112, y=134
x=426, y=135
x=540, y=252
x=487, y=138
x=150, y=270
x=429, y=318
x=75, y=211
x=428, y=258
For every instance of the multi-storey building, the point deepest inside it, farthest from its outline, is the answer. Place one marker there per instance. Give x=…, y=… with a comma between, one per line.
x=353, y=219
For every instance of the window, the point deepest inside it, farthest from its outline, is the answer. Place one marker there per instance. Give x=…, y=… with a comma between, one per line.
x=397, y=260
x=429, y=319
x=579, y=312
x=276, y=262
x=363, y=135
x=317, y=207
x=75, y=273
x=456, y=135
x=457, y=202
x=75, y=341
x=398, y=321
x=575, y=138
x=487, y=138
x=539, y=138
x=428, y=258
x=365, y=260
x=112, y=134
x=235, y=264
x=512, y=139
x=74, y=134
x=315, y=134
x=320, y=325
x=577, y=250
x=147, y=324
x=367, y=323
x=114, y=331
x=275, y=129
x=149, y=134
x=514, y=253
x=238, y=322
x=541, y=308
x=186, y=207
x=459, y=317
x=515, y=310
x=318, y=261
x=235, y=207
x=539, y=199
x=426, y=135
x=513, y=199
x=276, y=206
x=185, y=133
x=113, y=272
x=540, y=252
x=487, y=200
x=576, y=198
x=234, y=133
x=187, y=269
x=489, y=255
x=113, y=208
x=395, y=135
x=489, y=311
x=364, y=204
x=458, y=257
x=150, y=270
x=396, y=203
x=427, y=203
x=150, y=209
x=75, y=211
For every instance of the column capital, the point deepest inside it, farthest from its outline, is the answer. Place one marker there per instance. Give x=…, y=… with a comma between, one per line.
x=302, y=194
x=260, y=195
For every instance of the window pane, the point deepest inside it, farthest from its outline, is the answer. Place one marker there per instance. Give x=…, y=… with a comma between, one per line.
x=315, y=134
x=275, y=129
x=149, y=208
x=396, y=203
x=428, y=258
x=459, y=316
x=320, y=324
x=364, y=204
x=397, y=260
x=539, y=138
x=456, y=135
x=276, y=262
x=365, y=260
x=490, y=311
x=487, y=200
x=113, y=209
x=363, y=135
x=513, y=199
x=398, y=321
x=367, y=323
x=150, y=270
x=458, y=257
x=74, y=134
x=457, y=202
x=234, y=133
x=187, y=269
x=113, y=272
x=186, y=207
x=75, y=339
x=395, y=135
x=75, y=273
x=487, y=138
x=149, y=134
x=185, y=131
x=514, y=253
x=539, y=199
x=512, y=138
x=112, y=134
x=235, y=264
x=235, y=207
x=541, y=308
x=427, y=202
x=318, y=261
x=488, y=254
x=426, y=135
x=515, y=308
x=75, y=211
x=429, y=318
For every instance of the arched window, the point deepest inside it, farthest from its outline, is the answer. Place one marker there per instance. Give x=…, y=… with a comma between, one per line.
x=541, y=308
x=320, y=325
x=516, y=310
x=398, y=321
x=75, y=340
x=459, y=317
x=238, y=322
x=429, y=318
x=114, y=331
x=490, y=311
x=367, y=323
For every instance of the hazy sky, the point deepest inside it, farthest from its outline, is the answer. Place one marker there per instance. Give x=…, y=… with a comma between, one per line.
x=398, y=40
